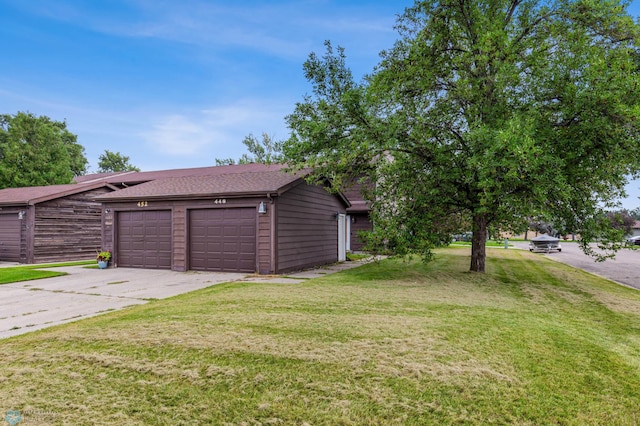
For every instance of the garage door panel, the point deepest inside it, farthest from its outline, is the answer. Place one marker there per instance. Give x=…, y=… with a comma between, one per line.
x=9, y=237
x=164, y=247
x=214, y=247
x=163, y=233
x=199, y=230
x=247, y=247
x=223, y=239
x=230, y=247
x=213, y=232
x=144, y=239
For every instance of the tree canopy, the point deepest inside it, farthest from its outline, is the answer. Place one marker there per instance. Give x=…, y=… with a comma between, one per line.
x=484, y=115
x=114, y=162
x=265, y=151
x=38, y=151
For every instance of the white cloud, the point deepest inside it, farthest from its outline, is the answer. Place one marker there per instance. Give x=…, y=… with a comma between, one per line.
x=216, y=132
x=179, y=135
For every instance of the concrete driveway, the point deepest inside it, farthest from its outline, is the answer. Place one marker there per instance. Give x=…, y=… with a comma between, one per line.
x=624, y=269
x=86, y=292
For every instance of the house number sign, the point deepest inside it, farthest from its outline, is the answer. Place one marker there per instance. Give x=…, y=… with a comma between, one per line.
x=142, y=204
x=220, y=201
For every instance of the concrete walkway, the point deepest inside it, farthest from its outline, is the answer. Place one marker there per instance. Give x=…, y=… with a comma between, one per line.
x=86, y=292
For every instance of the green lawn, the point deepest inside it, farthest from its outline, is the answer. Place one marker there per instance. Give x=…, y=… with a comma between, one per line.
x=13, y=275
x=489, y=243
x=531, y=342
x=31, y=272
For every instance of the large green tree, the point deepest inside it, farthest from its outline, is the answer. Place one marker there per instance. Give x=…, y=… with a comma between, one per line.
x=115, y=162
x=485, y=112
x=35, y=150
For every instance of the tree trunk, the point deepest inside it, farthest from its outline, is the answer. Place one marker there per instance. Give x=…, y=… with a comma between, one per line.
x=478, y=243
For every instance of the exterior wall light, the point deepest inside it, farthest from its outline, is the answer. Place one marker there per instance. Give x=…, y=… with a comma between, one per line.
x=262, y=209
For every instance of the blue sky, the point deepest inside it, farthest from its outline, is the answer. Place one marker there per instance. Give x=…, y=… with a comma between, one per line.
x=175, y=84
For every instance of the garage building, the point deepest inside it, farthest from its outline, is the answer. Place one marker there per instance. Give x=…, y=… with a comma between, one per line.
x=52, y=223
x=243, y=218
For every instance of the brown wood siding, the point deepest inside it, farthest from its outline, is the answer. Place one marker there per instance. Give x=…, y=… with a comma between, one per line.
x=10, y=235
x=359, y=222
x=179, y=237
x=107, y=229
x=307, y=228
x=67, y=228
x=264, y=249
x=353, y=191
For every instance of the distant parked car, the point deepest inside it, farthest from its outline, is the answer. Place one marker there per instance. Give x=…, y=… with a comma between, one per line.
x=466, y=236
x=634, y=241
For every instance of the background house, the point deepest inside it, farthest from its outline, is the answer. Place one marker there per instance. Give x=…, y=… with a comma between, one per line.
x=359, y=219
x=51, y=223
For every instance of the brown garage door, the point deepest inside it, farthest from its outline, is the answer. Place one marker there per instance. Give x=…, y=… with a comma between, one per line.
x=144, y=239
x=9, y=237
x=223, y=240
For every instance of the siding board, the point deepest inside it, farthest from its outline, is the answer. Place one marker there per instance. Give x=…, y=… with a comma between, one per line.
x=67, y=228
x=360, y=222
x=307, y=228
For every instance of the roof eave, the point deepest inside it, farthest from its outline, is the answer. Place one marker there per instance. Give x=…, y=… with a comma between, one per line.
x=78, y=188
x=173, y=197
x=15, y=204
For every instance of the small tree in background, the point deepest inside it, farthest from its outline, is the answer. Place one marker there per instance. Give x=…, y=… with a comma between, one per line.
x=265, y=151
x=115, y=162
x=622, y=220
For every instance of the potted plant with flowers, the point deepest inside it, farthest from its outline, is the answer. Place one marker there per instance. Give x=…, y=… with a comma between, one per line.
x=103, y=258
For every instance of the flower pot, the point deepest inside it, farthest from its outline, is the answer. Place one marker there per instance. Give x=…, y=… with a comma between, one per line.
x=102, y=264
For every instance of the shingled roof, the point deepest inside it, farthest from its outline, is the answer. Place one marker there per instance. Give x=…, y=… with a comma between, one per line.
x=249, y=182
x=37, y=194
x=131, y=178
x=101, y=177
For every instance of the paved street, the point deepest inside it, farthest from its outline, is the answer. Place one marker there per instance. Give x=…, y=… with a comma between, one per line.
x=624, y=269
